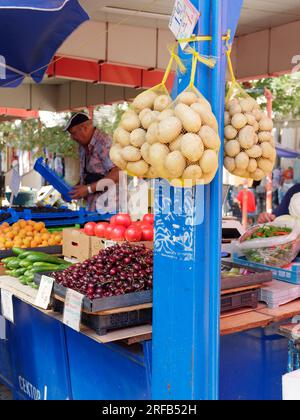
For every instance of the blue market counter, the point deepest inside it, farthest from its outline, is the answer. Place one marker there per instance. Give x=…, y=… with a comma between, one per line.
x=44, y=359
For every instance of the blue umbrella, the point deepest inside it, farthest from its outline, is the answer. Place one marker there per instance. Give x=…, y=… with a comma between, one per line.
x=31, y=31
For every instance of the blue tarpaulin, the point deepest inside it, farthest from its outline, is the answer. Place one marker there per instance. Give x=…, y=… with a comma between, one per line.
x=283, y=152
x=31, y=31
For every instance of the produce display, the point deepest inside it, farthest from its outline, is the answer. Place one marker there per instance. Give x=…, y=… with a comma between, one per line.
x=115, y=271
x=25, y=264
x=27, y=234
x=269, y=232
x=235, y=271
x=249, y=143
x=273, y=245
x=175, y=141
x=121, y=228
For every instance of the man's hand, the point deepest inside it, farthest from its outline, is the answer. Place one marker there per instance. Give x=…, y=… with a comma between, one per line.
x=80, y=191
x=266, y=218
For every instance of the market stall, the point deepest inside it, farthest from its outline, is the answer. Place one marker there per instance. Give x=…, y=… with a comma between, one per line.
x=182, y=349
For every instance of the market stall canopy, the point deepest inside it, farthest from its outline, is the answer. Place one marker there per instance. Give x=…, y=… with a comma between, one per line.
x=284, y=152
x=31, y=32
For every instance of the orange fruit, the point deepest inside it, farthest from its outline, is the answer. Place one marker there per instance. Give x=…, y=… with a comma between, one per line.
x=39, y=226
x=22, y=223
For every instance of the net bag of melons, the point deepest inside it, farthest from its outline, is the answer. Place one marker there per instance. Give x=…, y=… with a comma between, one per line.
x=179, y=141
x=249, y=150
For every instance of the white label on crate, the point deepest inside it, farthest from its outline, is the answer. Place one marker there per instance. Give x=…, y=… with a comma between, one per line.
x=44, y=294
x=7, y=305
x=108, y=244
x=2, y=328
x=72, y=309
x=183, y=20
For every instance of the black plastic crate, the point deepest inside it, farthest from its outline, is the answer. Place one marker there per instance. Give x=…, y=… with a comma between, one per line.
x=102, y=324
x=97, y=305
x=234, y=301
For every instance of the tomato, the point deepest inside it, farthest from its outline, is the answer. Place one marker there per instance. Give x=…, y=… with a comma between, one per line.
x=117, y=233
x=113, y=220
x=123, y=219
x=145, y=226
x=133, y=234
x=149, y=218
x=108, y=232
x=148, y=234
x=100, y=230
x=89, y=228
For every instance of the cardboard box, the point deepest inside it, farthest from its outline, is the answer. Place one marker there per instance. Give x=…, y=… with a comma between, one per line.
x=97, y=244
x=76, y=244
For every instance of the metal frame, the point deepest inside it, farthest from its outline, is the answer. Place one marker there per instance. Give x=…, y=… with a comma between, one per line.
x=186, y=330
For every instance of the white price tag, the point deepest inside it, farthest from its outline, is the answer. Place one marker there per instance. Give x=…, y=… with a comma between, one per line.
x=44, y=294
x=7, y=305
x=2, y=328
x=72, y=310
x=183, y=20
x=15, y=181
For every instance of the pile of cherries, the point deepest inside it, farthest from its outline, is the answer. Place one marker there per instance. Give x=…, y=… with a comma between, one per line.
x=115, y=271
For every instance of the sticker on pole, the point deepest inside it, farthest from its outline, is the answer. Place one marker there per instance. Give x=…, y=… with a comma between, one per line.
x=2, y=328
x=72, y=309
x=183, y=20
x=44, y=294
x=7, y=307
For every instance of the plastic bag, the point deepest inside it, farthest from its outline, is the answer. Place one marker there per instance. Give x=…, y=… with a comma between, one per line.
x=276, y=251
x=249, y=150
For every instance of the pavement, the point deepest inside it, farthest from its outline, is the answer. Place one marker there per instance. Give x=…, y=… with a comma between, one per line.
x=5, y=394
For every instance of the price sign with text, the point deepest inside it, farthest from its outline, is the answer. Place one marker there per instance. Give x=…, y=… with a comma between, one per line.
x=184, y=20
x=7, y=306
x=72, y=310
x=44, y=294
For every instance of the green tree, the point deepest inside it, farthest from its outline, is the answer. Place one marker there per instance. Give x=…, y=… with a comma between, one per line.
x=286, y=92
x=31, y=135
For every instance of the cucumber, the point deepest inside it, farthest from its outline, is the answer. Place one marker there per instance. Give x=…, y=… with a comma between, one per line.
x=24, y=263
x=41, y=257
x=13, y=265
x=14, y=274
x=17, y=251
x=9, y=272
x=24, y=280
x=20, y=271
x=7, y=260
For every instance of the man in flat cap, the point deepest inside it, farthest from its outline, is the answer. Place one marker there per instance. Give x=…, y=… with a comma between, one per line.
x=95, y=164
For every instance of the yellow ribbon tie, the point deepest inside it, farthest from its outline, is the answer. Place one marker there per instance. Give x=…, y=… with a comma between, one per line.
x=175, y=57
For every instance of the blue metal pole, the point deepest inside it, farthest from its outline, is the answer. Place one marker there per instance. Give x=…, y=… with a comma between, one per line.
x=187, y=256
